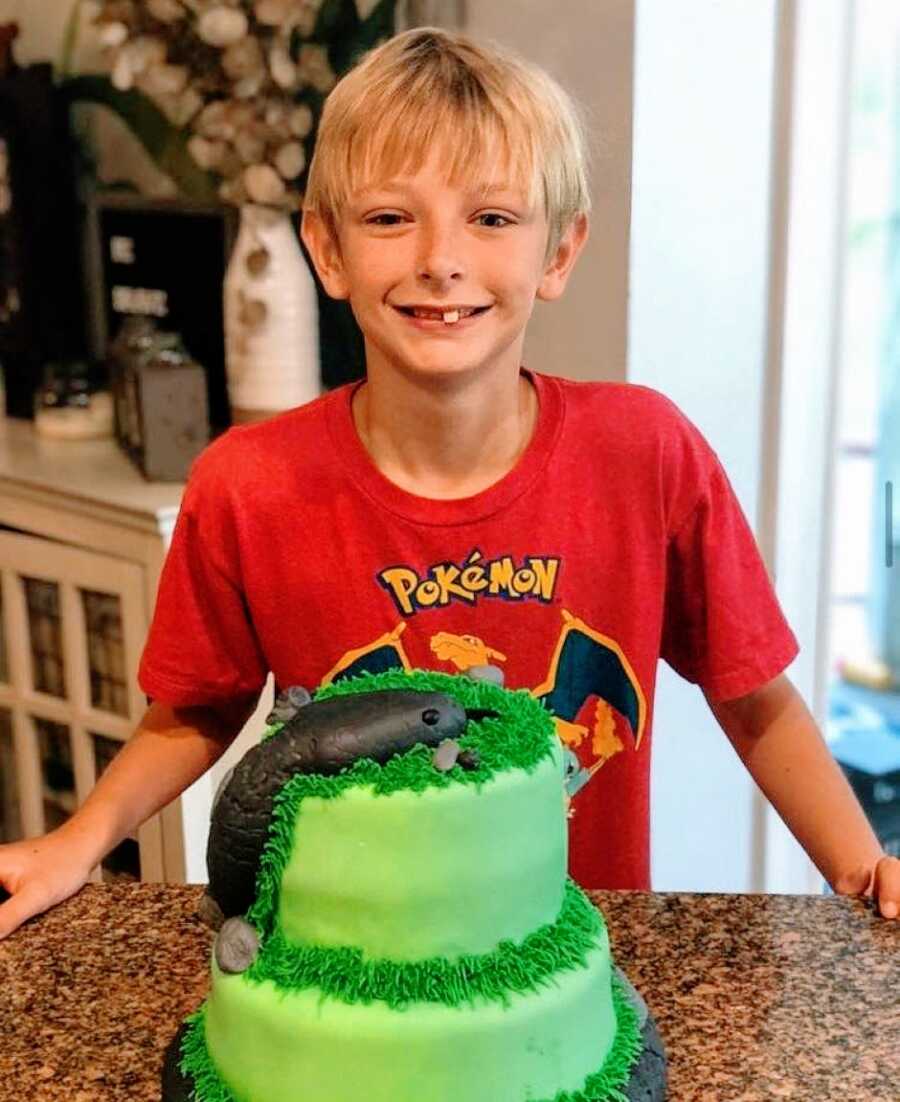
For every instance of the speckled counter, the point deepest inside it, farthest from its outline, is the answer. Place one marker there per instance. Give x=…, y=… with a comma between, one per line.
x=756, y=997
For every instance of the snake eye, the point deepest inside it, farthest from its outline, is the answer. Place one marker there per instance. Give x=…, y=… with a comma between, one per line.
x=431, y=716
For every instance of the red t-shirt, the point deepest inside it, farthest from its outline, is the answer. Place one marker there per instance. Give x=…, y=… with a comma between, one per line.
x=615, y=540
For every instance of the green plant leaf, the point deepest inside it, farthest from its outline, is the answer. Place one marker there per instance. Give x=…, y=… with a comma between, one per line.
x=166, y=144
x=345, y=49
x=70, y=41
x=336, y=19
x=381, y=21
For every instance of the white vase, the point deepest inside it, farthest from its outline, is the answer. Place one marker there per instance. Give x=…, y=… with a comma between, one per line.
x=271, y=318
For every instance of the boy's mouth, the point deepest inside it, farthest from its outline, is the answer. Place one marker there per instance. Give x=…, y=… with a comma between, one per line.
x=434, y=318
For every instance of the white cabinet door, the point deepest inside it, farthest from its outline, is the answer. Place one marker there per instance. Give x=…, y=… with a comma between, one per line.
x=73, y=625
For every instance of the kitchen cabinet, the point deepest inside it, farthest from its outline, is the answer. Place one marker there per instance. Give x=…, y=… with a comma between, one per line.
x=82, y=540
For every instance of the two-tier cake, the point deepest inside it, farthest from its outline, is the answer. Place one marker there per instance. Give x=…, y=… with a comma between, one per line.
x=388, y=875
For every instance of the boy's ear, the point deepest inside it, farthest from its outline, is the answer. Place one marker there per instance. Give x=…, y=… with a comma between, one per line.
x=326, y=255
x=557, y=273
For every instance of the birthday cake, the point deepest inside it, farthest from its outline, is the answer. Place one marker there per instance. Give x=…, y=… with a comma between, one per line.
x=387, y=875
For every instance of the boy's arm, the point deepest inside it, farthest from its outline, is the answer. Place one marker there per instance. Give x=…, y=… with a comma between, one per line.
x=779, y=742
x=169, y=750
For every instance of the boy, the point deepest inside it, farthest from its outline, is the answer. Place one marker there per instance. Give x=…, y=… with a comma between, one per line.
x=455, y=510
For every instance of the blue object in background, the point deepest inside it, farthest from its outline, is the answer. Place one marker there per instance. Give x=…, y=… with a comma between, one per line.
x=863, y=734
x=876, y=751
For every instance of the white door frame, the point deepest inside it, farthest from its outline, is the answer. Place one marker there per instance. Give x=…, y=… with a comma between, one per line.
x=808, y=235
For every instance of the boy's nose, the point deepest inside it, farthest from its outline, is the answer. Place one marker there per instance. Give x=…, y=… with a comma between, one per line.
x=440, y=257
x=437, y=275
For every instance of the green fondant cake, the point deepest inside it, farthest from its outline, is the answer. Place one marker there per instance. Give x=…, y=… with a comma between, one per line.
x=411, y=933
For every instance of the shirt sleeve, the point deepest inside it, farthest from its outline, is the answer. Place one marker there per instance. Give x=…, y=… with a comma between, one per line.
x=202, y=647
x=723, y=627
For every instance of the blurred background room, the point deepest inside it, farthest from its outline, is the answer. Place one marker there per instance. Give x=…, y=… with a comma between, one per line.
x=744, y=260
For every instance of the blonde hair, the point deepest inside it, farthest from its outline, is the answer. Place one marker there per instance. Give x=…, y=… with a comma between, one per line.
x=429, y=84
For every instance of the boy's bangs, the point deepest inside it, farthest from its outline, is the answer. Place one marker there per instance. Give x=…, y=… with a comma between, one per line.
x=496, y=119
x=480, y=151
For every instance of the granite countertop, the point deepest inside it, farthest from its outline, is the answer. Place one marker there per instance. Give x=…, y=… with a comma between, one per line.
x=756, y=997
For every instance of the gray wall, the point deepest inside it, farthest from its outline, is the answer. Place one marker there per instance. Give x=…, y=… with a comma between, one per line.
x=701, y=254
x=588, y=47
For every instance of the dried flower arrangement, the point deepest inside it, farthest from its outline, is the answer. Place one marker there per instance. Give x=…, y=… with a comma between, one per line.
x=247, y=78
x=225, y=96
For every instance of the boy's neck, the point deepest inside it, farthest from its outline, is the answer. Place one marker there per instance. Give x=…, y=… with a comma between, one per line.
x=446, y=442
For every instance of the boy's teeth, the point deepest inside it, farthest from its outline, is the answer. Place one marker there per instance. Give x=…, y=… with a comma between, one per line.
x=449, y=316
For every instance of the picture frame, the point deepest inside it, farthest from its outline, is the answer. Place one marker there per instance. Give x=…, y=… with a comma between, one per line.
x=165, y=259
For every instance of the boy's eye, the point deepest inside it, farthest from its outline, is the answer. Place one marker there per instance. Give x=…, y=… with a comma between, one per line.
x=492, y=214
x=376, y=219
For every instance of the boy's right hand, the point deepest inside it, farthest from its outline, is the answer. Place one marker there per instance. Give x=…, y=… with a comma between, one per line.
x=38, y=873
x=168, y=751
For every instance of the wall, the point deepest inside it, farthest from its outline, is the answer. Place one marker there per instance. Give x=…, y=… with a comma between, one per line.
x=698, y=332
x=588, y=47
x=802, y=488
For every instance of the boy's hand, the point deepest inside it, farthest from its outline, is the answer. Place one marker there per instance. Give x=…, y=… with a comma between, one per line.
x=38, y=873
x=881, y=884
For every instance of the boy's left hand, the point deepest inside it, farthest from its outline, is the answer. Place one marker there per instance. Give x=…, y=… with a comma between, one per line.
x=882, y=884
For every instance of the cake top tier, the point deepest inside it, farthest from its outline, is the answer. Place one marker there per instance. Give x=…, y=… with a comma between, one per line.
x=518, y=736
x=376, y=736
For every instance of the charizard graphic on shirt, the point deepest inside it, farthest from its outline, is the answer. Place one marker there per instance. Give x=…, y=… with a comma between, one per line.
x=584, y=665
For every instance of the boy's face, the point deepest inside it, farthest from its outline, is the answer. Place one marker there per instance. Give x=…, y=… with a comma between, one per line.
x=420, y=242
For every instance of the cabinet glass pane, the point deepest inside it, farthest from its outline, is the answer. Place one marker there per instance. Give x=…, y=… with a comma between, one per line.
x=10, y=820
x=105, y=749
x=106, y=651
x=57, y=773
x=4, y=666
x=45, y=630
x=122, y=863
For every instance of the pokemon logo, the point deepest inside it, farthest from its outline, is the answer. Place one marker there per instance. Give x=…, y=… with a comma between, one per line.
x=444, y=582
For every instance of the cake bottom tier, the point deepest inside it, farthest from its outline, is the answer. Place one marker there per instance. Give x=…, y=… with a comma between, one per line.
x=266, y=1045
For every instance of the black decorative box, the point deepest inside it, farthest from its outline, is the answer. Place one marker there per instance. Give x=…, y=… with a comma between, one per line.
x=160, y=399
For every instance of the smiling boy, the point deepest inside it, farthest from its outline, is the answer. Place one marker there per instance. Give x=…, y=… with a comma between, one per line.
x=445, y=412
x=458, y=511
